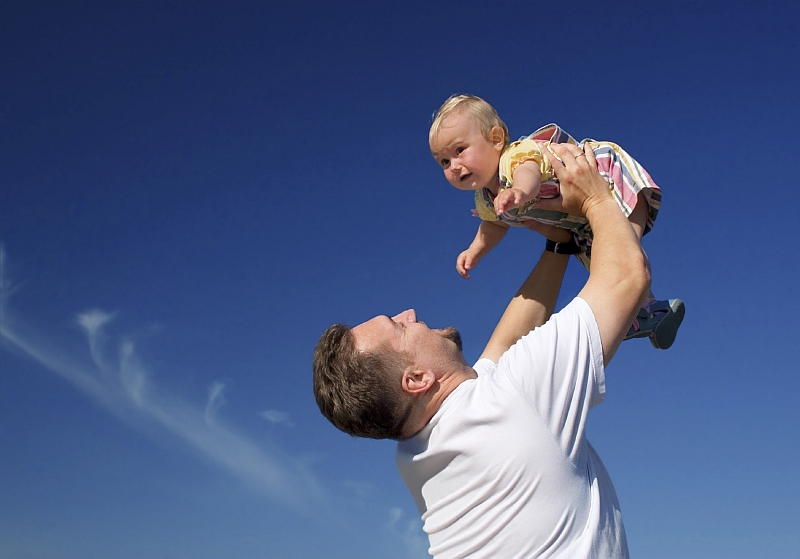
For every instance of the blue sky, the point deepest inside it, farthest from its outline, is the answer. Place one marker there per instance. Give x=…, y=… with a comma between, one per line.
x=190, y=192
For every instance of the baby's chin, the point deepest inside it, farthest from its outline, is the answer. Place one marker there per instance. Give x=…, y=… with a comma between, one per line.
x=467, y=186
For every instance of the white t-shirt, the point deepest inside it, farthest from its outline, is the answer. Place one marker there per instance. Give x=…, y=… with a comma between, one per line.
x=504, y=470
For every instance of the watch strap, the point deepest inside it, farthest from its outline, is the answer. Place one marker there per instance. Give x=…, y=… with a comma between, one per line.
x=570, y=247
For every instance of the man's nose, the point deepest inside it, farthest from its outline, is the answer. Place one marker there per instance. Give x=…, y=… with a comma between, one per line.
x=406, y=316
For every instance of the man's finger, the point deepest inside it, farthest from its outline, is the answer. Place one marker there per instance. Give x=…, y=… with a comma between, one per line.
x=589, y=153
x=562, y=149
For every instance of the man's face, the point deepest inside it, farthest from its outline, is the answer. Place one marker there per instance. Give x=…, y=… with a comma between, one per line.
x=404, y=333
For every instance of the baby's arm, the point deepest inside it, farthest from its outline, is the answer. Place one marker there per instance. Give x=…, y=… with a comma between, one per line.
x=489, y=234
x=526, y=185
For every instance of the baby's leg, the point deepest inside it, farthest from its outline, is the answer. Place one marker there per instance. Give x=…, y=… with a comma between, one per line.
x=638, y=217
x=638, y=196
x=658, y=320
x=638, y=220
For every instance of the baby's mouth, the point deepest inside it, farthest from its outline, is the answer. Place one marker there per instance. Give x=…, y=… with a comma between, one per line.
x=465, y=177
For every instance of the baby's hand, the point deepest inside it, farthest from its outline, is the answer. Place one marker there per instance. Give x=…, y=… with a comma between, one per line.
x=508, y=199
x=466, y=261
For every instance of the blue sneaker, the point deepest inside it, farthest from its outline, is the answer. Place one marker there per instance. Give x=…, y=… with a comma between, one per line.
x=659, y=321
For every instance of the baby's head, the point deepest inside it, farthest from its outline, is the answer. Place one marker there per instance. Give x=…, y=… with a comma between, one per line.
x=467, y=138
x=478, y=111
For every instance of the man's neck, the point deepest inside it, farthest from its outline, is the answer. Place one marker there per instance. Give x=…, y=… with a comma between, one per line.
x=435, y=397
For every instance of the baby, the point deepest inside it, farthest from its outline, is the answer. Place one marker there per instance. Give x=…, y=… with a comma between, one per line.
x=470, y=142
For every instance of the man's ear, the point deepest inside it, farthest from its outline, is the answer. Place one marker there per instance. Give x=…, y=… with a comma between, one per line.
x=417, y=381
x=498, y=138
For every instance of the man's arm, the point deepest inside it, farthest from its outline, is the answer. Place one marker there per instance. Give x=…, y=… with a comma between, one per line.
x=619, y=278
x=531, y=306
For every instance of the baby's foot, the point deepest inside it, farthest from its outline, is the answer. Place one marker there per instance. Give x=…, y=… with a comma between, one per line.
x=659, y=321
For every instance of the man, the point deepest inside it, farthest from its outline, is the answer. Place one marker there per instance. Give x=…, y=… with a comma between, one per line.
x=495, y=456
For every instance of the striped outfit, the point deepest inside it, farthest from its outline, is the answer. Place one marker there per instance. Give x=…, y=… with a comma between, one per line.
x=626, y=178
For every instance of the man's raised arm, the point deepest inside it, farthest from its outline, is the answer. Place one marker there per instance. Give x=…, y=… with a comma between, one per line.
x=531, y=306
x=619, y=278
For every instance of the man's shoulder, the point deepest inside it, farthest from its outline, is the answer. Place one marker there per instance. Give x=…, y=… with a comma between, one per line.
x=577, y=310
x=573, y=326
x=581, y=308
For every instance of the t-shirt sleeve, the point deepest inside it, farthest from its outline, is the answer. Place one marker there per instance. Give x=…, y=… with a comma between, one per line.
x=521, y=152
x=484, y=366
x=559, y=369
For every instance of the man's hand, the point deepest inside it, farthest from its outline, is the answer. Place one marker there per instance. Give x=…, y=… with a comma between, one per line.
x=581, y=185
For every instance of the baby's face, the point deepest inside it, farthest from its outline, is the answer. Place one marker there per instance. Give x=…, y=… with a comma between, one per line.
x=469, y=160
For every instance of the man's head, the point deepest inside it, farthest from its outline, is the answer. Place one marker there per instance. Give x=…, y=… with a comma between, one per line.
x=371, y=380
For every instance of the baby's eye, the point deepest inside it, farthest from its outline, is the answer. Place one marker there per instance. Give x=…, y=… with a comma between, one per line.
x=444, y=162
x=460, y=150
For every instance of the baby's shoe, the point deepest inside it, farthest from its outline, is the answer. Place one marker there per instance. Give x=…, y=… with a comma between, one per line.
x=659, y=321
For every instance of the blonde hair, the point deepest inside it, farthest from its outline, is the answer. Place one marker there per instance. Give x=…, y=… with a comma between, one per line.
x=479, y=110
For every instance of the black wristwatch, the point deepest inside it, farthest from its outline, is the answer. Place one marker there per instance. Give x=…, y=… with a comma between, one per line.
x=570, y=247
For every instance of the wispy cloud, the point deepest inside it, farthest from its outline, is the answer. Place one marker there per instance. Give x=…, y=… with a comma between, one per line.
x=275, y=416
x=407, y=530
x=115, y=378
x=94, y=322
x=216, y=399
x=361, y=489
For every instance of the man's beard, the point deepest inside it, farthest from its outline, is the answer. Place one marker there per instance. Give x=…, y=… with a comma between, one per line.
x=453, y=335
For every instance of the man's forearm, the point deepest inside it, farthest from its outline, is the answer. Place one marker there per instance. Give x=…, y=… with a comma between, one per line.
x=531, y=306
x=619, y=277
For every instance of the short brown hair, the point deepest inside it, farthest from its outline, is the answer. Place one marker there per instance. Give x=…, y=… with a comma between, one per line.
x=481, y=111
x=360, y=392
